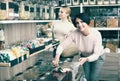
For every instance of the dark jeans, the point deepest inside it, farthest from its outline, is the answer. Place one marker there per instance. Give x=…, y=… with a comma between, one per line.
x=54, y=52
x=92, y=69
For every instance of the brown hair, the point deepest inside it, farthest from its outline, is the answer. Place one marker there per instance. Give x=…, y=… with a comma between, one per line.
x=68, y=11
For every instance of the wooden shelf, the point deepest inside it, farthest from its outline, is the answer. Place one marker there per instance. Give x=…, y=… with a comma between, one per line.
x=91, y=5
x=25, y=21
x=104, y=28
x=104, y=5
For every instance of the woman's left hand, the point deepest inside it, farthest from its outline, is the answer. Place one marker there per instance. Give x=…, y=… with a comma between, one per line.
x=82, y=60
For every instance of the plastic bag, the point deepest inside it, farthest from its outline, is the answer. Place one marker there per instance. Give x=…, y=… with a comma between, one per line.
x=77, y=72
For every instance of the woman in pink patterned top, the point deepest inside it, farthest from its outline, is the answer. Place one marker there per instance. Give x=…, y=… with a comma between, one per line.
x=89, y=42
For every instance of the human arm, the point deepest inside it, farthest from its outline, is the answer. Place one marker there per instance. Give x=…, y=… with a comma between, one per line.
x=60, y=49
x=97, y=48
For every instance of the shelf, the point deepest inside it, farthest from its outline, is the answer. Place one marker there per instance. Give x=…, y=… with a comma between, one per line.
x=25, y=21
x=104, y=28
x=101, y=5
x=90, y=5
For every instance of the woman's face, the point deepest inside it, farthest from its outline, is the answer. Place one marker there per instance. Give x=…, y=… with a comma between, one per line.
x=80, y=24
x=62, y=13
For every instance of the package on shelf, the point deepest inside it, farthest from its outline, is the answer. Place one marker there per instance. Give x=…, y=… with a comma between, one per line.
x=92, y=22
x=35, y=45
x=100, y=22
x=44, y=30
x=112, y=45
x=112, y=22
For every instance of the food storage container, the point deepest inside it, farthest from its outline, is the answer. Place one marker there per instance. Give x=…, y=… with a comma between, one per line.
x=10, y=9
x=112, y=1
x=51, y=12
x=75, y=2
x=37, y=13
x=3, y=12
x=32, y=15
x=99, y=2
x=93, y=2
x=68, y=2
x=45, y=12
x=118, y=1
x=85, y=2
x=16, y=12
x=106, y=2
x=24, y=10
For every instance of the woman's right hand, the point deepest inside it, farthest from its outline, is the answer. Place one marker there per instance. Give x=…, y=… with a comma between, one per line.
x=56, y=61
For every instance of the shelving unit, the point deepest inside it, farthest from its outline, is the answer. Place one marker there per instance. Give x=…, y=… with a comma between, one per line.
x=15, y=31
x=22, y=30
x=108, y=33
x=25, y=21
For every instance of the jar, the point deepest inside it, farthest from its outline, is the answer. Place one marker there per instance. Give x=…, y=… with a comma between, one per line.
x=112, y=1
x=92, y=2
x=24, y=12
x=51, y=12
x=85, y=2
x=3, y=13
x=41, y=12
x=37, y=13
x=99, y=2
x=75, y=2
x=68, y=2
x=31, y=13
x=46, y=12
x=118, y=1
x=10, y=10
x=16, y=12
x=106, y=1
